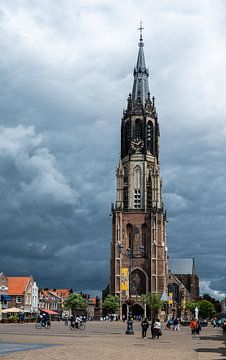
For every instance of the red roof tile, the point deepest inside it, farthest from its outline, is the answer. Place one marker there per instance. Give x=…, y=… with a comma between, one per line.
x=17, y=285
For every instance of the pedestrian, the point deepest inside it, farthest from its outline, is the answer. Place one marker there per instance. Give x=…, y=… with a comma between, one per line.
x=66, y=320
x=198, y=328
x=176, y=325
x=77, y=322
x=152, y=329
x=157, y=329
x=144, y=326
x=193, y=325
x=72, y=320
x=123, y=317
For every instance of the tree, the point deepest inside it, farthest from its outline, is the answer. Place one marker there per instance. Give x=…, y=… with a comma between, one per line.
x=206, y=309
x=191, y=305
x=75, y=302
x=111, y=304
x=215, y=302
x=153, y=302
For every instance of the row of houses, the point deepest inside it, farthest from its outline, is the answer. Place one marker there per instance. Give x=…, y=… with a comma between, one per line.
x=23, y=293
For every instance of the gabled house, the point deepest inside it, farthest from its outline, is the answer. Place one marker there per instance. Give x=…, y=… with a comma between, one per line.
x=23, y=292
x=49, y=300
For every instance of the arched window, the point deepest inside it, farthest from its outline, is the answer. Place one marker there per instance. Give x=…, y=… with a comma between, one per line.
x=138, y=282
x=138, y=129
x=129, y=229
x=137, y=187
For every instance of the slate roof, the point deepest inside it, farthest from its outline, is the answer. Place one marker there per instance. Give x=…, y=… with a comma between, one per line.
x=140, y=84
x=181, y=266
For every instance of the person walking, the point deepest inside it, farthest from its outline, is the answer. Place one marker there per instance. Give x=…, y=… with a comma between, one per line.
x=198, y=328
x=152, y=329
x=193, y=325
x=66, y=320
x=72, y=320
x=157, y=329
x=144, y=326
x=176, y=325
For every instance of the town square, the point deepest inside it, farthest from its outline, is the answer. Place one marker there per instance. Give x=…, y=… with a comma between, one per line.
x=107, y=340
x=112, y=179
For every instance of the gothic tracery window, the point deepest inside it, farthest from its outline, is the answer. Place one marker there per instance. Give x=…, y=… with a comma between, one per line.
x=129, y=229
x=137, y=187
x=138, y=129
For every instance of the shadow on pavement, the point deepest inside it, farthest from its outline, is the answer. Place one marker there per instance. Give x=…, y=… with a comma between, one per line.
x=218, y=350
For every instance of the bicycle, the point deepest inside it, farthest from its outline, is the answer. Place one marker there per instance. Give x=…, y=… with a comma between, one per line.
x=81, y=326
x=41, y=324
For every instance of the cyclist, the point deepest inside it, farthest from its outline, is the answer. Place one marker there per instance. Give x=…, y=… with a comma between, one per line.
x=77, y=322
x=45, y=319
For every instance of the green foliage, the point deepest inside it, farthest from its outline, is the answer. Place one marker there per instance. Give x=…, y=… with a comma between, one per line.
x=111, y=304
x=206, y=308
x=153, y=300
x=191, y=305
x=143, y=299
x=215, y=302
x=13, y=318
x=75, y=302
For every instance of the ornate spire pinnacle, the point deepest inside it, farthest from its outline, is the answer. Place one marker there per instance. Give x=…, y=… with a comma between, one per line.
x=140, y=29
x=140, y=84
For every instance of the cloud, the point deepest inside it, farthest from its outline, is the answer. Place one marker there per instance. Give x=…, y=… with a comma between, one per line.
x=206, y=288
x=66, y=71
x=35, y=167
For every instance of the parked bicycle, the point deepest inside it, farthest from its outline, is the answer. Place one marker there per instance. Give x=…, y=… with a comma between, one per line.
x=42, y=324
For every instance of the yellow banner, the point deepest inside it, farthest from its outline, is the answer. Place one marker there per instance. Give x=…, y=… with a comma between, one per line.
x=124, y=279
x=170, y=300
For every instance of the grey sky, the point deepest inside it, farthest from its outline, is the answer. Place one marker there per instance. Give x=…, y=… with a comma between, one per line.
x=65, y=74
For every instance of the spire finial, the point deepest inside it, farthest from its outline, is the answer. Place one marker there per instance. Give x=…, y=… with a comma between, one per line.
x=140, y=29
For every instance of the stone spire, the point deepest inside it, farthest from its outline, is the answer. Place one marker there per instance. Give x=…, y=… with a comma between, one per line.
x=140, y=84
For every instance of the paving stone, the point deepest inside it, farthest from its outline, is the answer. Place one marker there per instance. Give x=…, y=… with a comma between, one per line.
x=107, y=341
x=6, y=348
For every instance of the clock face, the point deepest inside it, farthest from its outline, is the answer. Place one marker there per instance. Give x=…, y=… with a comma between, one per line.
x=137, y=144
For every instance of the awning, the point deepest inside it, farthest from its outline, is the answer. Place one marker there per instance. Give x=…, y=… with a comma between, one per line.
x=50, y=312
x=12, y=310
x=6, y=298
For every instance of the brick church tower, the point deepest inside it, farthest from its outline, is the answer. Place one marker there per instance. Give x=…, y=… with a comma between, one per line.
x=138, y=248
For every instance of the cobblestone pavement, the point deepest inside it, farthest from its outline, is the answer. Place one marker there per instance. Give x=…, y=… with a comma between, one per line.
x=107, y=341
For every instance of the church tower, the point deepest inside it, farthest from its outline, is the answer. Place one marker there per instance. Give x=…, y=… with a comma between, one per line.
x=138, y=248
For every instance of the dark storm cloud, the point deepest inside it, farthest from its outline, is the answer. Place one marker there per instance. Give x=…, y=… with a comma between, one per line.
x=66, y=71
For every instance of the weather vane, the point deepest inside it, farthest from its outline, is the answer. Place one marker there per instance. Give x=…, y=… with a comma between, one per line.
x=140, y=29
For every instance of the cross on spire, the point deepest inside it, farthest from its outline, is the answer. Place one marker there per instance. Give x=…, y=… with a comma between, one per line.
x=140, y=29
